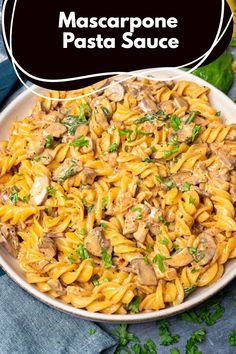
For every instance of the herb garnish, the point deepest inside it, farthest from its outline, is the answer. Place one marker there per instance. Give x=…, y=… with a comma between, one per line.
x=195, y=132
x=104, y=202
x=196, y=337
x=113, y=147
x=175, y=122
x=48, y=141
x=133, y=304
x=164, y=241
x=158, y=259
x=13, y=196
x=82, y=252
x=232, y=338
x=163, y=220
x=150, y=117
x=168, y=153
x=91, y=331
x=51, y=191
x=185, y=187
x=80, y=142
x=72, y=122
x=165, y=336
x=188, y=291
x=191, y=117
x=90, y=208
x=106, y=259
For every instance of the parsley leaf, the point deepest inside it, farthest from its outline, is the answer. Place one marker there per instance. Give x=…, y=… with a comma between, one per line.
x=146, y=159
x=113, y=147
x=158, y=259
x=151, y=117
x=104, y=202
x=232, y=338
x=218, y=114
x=165, y=336
x=133, y=305
x=175, y=122
x=80, y=142
x=185, y=187
x=174, y=351
x=123, y=132
x=123, y=336
x=83, y=232
x=164, y=241
x=26, y=198
x=169, y=183
x=103, y=225
x=37, y=158
x=197, y=254
x=82, y=252
x=51, y=191
x=188, y=291
x=173, y=141
x=13, y=196
x=91, y=331
x=168, y=153
x=192, y=115
x=159, y=179
x=106, y=259
x=72, y=122
x=195, y=132
x=90, y=208
x=191, y=200
x=71, y=258
x=95, y=281
x=163, y=220
x=196, y=337
x=149, y=347
x=48, y=141
x=106, y=111
x=145, y=259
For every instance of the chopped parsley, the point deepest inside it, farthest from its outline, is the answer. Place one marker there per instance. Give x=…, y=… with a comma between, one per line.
x=51, y=191
x=80, y=142
x=218, y=114
x=169, y=183
x=72, y=122
x=232, y=338
x=113, y=147
x=185, y=187
x=168, y=153
x=103, y=225
x=163, y=220
x=173, y=141
x=82, y=252
x=106, y=111
x=83, y=232
x=146, y=259
x=84, y=201
x=149, y=347
x=159, y=179
x=151, y=117
x=146, y=159
x=175, y=123
x=37, y=158
x=13, y=196
x=159, y=260
x=188, y=291
x=71, y=258
x=48, y=141
x=194, y=270
x=197, y=254
x=104, y=202
x=192, y=115
x=95, y=281
x=90, y=208
x=174, y=351
x=165, y=336
x=153, y=149
x=91, y=331
x=123, y=336
x=123, y=132
x=139, y=210
x=191, y=200
x=196, y=337
x=106, y=259
x=195, y=132
x=164, y=241
x=26, y=198
x=133, y=305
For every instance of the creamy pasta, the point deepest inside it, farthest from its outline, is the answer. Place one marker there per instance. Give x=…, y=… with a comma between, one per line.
x=122, y=201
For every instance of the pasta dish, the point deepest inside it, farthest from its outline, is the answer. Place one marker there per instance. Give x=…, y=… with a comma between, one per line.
x=122, y=201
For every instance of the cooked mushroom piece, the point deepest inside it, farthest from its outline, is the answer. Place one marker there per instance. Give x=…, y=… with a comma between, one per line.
x=46, y=157
x=35, y=146
x=56, y=130
x=95, y=241
x=38, y=191
x=180, y=259
x=131, y=224
x=181, y=177
x=56, y=286
x=101, y=117
x=185, y=133
x=145, y=272
x=47, y=246
x=88, y=175
x=167, y=107
x=9, y=239
x=226, y=157
x=147, y=105
x=115, y=93
x=180, y=102
x=141, y=233
x=207, y=246
x=69, y=168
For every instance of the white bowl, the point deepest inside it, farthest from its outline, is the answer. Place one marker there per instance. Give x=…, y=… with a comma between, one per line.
x=19, y=108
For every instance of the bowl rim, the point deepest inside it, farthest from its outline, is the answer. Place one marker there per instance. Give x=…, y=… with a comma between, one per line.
x=115, y=318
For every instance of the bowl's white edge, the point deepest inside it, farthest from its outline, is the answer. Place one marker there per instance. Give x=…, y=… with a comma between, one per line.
x=99, y=317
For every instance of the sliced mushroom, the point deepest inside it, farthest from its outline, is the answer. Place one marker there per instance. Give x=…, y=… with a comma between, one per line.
x=56, y=286
x=131, y=223
x=95, y=241
x=226, y=157
x=69, y=168
x=56, y=116
x=101, y=117
x=89, y=148
x=110, y=158
x=82, y=129
x=46, y=157
x=145, y=272
x=141, y=233
x=180, y=102
x=181, y=177
x=4, y=197
x=88, y=175
x=185, y=133
x=207, y=246
x=56, y=130
x=115, y=93
x=38, y=191
x=9, y=239
x=35, y=146
x=167, y=107
x=180, y=259
x=47, y=246
x=147, y=105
